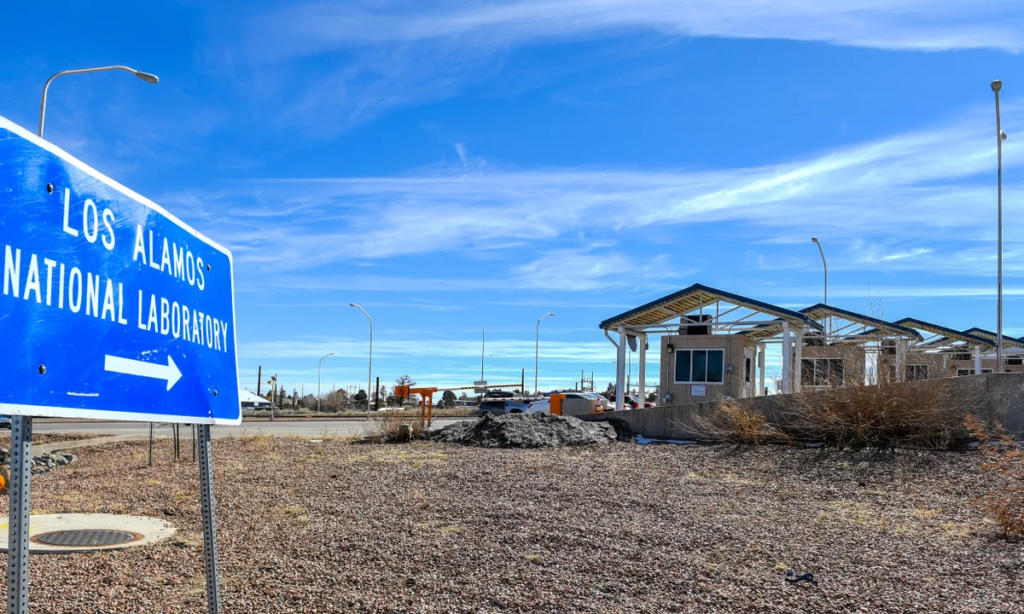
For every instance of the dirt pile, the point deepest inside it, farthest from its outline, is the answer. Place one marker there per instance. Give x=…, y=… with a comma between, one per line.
x=526, y=431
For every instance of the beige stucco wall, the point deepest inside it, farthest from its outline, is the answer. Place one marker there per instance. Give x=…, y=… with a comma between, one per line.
x=733, y=385
x=938, y=364
x=854, y=360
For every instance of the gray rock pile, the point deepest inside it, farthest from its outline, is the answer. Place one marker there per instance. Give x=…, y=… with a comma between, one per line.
x=43, y=462
x=525, y=431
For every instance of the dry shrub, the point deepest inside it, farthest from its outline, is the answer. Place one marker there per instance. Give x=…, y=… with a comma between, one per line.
x=393, y=427
x=736, y=423
x=927, y=414
x=1005, y=457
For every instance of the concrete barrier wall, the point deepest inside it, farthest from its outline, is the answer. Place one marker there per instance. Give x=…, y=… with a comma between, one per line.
x=997, y=396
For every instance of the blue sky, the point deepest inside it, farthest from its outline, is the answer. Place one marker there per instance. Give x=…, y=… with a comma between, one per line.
x=455, y=165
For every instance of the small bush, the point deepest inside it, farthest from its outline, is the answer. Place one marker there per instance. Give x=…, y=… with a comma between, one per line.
x=394, y=427
x=736, y=423
x=1005, y=457
x=917, y=414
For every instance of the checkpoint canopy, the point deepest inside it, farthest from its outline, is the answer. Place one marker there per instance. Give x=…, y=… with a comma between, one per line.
x=111, y=307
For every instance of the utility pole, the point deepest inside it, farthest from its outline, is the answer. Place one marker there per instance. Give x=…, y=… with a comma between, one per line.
x=1000, y=137
x=259, y=380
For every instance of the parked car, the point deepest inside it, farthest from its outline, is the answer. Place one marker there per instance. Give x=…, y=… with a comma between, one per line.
x=538, y=407
x=493, y=406
x=5, y=422
x=633, y=402
x=501, y=406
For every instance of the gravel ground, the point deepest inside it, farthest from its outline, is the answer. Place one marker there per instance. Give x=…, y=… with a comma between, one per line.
x=428, y=527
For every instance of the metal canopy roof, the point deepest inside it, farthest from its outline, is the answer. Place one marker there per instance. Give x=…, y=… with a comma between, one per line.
x=881, y=327
x=991, y=337
x=949, y=333
x=693, y=298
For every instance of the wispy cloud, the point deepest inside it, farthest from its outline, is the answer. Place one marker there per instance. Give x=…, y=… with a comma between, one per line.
x=903, y=202
x=384, y=55
x=315, y=27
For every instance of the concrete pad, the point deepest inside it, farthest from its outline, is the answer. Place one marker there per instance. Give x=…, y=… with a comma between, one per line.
x=147, y=530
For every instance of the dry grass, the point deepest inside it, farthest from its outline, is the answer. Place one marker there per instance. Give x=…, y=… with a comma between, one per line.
x=736, y=422
x=395, y=428
x=920, y=414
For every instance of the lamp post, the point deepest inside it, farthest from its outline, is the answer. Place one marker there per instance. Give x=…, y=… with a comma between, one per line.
x=536, y=356
x=369, y=377
x=145, y=76
x=825, y=265
x=1000, y=137
x=319, y=366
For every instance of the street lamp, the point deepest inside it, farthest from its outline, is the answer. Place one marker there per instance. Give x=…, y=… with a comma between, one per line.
x=824, y=264
x=145, y=76
x=536, y=356
x=318, y=368
x=1000, y=137
x=369, y=378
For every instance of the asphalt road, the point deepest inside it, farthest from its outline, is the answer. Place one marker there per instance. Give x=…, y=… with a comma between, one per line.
x=300, y=428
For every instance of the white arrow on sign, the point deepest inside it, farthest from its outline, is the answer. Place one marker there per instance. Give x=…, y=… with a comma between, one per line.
x=128, y=366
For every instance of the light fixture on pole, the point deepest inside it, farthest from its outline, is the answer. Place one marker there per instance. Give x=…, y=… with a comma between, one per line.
x=318, y=368
x=536, y=356
x=369, y=377
x=824, y=264
x=1000, y=137
x=145, y=76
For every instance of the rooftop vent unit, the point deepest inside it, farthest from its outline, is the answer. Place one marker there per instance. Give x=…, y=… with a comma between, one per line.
x=695, y=325
x=814, y=340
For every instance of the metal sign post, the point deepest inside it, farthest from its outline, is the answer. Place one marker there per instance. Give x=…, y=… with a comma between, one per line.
x=113, y=309
x=17, y=531
x=209, y=520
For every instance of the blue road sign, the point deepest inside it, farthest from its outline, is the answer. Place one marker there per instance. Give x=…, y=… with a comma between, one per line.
x=111, y=307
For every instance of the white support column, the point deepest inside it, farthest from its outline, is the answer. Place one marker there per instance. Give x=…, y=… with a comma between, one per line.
x=977, y=360
x=642, y=368
x=787, y=360
x=901, y=360
x=798, y=361
x=620, y=372
x=761, y=349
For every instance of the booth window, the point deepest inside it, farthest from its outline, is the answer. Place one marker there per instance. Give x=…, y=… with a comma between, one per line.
x=916, y=373
x=747, y=369
x=966, y=372
x=700, y=366
x=821, y=372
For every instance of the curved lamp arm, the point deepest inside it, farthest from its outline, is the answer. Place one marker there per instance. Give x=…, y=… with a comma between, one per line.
x=145, y=76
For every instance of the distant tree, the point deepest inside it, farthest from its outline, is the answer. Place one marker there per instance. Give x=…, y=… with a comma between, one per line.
x=463, y=397
x=335, y=401
x=448, y=399
x=609, y=392
x=404, y=380
x=360, y=396
x=382, y=394
x=652, y=397
x=392, y=401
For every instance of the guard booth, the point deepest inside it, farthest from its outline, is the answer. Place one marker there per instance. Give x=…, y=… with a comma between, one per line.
x=712, y=344
x=850, y=346
x=1013, y=352
x=940, y=352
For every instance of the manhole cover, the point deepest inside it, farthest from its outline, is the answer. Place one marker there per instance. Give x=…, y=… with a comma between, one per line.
x=84, y=538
